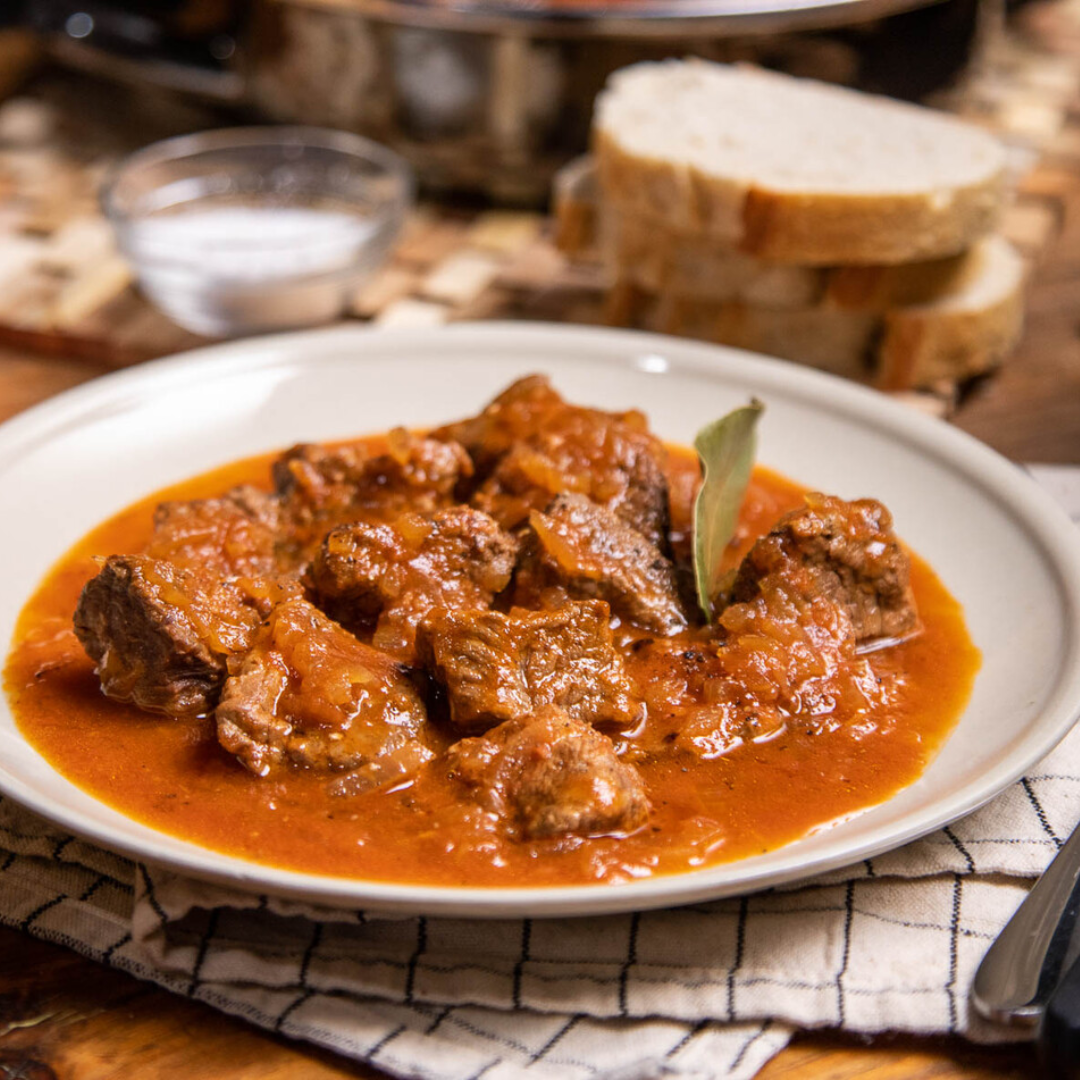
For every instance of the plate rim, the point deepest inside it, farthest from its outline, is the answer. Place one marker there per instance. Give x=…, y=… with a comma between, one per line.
x=1043, y=521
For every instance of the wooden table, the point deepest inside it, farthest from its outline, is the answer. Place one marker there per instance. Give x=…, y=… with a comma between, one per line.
x=68, y=1018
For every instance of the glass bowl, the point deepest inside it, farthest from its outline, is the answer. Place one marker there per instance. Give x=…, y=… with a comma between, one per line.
x=242, y=230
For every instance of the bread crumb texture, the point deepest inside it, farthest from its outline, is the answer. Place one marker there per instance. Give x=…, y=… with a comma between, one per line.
x=794, y=170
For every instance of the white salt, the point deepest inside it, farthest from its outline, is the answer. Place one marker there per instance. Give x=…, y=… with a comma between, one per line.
x=234, y=269
x=253, y=243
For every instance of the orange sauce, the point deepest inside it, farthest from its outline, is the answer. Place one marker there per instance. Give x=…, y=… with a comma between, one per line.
x=173, y=775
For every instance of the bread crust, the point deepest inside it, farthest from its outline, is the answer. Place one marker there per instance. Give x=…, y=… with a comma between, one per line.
x=839, y=342
x=906, y=347
x=923, y=348
x=644, y=252
x=808, y=228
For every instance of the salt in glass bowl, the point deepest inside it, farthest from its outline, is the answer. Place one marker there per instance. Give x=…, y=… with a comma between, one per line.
x=243, y=230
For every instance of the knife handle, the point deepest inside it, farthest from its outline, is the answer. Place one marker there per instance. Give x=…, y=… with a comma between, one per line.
x=1059, y=1032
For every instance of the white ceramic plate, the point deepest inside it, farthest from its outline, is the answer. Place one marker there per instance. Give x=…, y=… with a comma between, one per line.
x=1000, y=544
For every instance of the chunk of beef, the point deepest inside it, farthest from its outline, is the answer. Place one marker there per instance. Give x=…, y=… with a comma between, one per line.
x=614, y=467
x=401, y=572
x=516, y=413
x=309, y=694
x=324, y=486
x=576, y=549
x=415, y=473
x=843, y=551
x=550, y=775
x=783, y=659
x=161, y=635
x=233, y=535
x=827, y=577
x=498, y=667
x=530, y=445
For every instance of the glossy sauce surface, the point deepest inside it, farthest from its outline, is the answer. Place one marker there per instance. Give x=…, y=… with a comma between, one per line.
x=174, y=776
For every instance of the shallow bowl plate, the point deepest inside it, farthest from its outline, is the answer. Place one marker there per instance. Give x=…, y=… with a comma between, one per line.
x=999, y=543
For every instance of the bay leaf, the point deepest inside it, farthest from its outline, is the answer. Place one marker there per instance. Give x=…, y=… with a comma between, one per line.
x=726, y=449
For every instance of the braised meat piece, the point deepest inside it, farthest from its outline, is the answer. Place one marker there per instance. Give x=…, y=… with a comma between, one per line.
x=324, y=486
x=529, y=445
x=401, y=572
x=236, y=534
x=309, y=694
x=843, y=551
x=828, y=577
x=615, y=468
x=577, y=549
x=161, y=635
x=498, y=667
x=783, y=660
x=516, y=413
x=550, y=775
x=415, y=473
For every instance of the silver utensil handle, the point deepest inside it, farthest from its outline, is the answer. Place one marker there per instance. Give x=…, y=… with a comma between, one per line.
x=1022, y=968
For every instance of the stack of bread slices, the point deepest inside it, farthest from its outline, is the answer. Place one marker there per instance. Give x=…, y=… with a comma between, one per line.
x=849, y=232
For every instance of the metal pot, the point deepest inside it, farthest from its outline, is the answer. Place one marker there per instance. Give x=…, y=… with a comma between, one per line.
x=493, y=96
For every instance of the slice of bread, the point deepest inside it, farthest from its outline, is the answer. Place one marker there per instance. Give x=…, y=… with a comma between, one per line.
x=632, y=248
x=791, y=170
x=966, y=331
x=645, y=253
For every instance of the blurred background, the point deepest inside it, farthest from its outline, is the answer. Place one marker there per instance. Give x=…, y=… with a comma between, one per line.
x=488, y=96
x=486, y=101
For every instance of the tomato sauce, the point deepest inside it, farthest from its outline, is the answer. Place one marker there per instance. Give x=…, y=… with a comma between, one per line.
x=174, y=776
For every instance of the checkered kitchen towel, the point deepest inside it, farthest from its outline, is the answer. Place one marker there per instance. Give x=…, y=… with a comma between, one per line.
x=698, y=992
